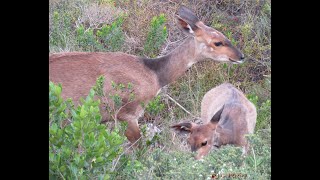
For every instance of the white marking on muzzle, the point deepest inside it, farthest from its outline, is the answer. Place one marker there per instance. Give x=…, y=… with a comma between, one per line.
x=190, y=30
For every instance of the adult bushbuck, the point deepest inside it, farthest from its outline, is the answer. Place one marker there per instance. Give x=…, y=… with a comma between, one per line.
x=227, y=116
x=78, y=71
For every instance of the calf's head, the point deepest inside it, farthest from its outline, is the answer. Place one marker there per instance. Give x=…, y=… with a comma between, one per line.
x=201, y=137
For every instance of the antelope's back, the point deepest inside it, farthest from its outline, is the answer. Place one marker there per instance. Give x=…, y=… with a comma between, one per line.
x=223, y=94
x=214, y=99
x=78, y=72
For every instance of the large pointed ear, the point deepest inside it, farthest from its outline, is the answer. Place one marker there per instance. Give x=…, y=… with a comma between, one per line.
x=215, y=118
x=187, y=20
x=184, y=126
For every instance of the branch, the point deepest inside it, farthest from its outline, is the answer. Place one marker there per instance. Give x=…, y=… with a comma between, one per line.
x=180, y=106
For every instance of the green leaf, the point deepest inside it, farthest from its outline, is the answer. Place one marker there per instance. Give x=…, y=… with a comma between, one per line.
x=73, y=169
x=101, y=150
x=67, y=151
x=225, y=65
x=57, y=90
x=63, y=168
x=83, y=112
x=53, y=129
x=74, y=113
x=59, y=133
x=106, y=177
x=51, y=157
x=99, y=159
x=76, y=158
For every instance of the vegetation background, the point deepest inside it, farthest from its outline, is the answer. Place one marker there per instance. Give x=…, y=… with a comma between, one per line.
x=81, y=148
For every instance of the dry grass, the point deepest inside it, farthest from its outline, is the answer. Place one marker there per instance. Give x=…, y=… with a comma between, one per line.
x=94, y=15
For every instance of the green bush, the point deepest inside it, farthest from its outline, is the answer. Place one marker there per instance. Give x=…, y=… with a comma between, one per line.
x=263, y=112
x=112, y=36
x=264, y=115
x=228, y=161
x=155, y=107
x=114, y=101
x=57, y=106
x=61, y=33
x=82, y=149
x=109, y=38
x=156, y=36
x=86, y=39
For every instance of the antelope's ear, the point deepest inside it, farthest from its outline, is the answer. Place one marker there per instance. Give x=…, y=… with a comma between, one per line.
x=187, y=20
x=184, y=127
x=216, y=117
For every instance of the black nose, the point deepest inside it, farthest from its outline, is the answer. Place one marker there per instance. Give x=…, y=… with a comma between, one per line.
x=242, y=57
x=193, y=148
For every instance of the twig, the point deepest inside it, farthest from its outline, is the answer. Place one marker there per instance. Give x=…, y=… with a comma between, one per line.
x=180, y=106
x=116, y=113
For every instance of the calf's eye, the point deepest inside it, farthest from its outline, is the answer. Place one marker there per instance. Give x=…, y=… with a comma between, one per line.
x=204, y=143
x=218, y=43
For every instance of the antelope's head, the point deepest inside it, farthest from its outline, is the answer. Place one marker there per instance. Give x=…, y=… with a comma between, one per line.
x=210, y=43
x=201, y=137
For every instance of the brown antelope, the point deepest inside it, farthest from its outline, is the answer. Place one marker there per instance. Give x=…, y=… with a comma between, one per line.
x=227, y=116
x=77, y=71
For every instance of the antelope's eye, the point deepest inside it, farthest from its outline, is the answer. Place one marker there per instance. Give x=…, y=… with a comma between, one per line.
x=218, y=43
x=204, y=143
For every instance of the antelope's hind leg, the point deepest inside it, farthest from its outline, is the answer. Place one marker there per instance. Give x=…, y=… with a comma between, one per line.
x=131, y=113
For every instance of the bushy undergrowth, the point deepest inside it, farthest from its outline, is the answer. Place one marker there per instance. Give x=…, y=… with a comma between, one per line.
x=79, y=146
x=82, y=148
x=227, y=162
x=156, y=36
x=263, y=112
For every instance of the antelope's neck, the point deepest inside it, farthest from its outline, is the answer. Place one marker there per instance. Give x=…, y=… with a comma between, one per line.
x=172, y=66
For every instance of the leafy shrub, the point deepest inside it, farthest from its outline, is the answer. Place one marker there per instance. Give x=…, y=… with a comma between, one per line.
x=253, y=98
x=113, y=100
x=264, y=115
x=112, y=36
x=86, y=39
x=156, y=36
x=227, y=161
x=155, y=107
x=57, y=106
x=60, y=33
x=83, y=149
x=263, y=112
x=109, y=38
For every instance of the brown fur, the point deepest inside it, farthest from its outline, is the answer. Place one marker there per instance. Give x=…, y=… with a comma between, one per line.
x=78, y=71
x=227, y=117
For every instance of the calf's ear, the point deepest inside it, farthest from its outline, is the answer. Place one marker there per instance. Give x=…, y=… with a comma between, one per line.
x=184, y=126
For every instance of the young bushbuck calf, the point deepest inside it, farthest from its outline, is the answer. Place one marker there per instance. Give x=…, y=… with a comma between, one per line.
x=227, y=117
x=78, y=71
